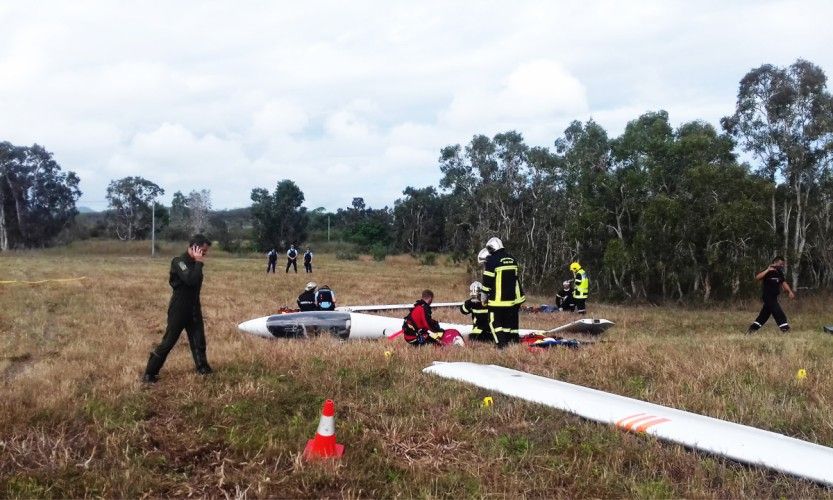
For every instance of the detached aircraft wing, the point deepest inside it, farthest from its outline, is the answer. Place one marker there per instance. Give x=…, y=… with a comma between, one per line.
x=739, y=442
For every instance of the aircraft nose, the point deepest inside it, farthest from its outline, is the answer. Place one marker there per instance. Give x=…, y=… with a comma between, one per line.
x=255, y=326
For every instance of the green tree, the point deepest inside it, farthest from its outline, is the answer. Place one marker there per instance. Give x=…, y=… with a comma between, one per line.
x=130, y=201
x=784, y=117
x=37, y=199
x=278, y=219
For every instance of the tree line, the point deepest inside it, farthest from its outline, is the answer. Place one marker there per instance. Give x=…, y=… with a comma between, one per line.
x=658, y=212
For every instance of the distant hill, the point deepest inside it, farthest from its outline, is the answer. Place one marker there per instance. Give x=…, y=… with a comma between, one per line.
x=85, y=210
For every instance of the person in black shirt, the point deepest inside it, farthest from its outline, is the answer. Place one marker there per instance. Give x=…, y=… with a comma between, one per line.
x=271, y=261
x=184, y=310
x=306, y=301
x=308, y=260
x=564, y=298
x=773, y=282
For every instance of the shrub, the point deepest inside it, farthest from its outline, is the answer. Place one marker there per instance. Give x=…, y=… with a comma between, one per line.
x=428, y=259
x=378, y=252
x=347, y=256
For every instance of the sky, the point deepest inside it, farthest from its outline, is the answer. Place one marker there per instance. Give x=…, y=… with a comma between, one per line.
x=356, y=99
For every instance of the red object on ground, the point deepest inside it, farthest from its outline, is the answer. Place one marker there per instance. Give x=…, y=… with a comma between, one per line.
x=324, y=445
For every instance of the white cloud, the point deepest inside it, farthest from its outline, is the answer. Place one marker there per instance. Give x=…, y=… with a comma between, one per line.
x=356, y=99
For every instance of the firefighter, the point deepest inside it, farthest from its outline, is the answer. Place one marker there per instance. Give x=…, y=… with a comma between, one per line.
x=308, y=260
x=325, y=299
x=419, y=327
x=564, y=297
x=184, y=310
x=479, y=314
x=581, y=287
x=306, y=301
x=292, y=259
x=773, y=281
x=503, y=293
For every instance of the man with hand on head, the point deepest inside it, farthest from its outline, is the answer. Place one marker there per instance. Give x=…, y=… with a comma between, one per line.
x=773, y=280
x=184, y=310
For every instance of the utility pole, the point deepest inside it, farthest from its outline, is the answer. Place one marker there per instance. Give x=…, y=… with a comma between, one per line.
x=153, y=228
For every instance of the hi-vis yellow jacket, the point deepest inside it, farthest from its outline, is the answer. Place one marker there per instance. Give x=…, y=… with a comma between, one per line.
x=581, y=286
x=501, y=281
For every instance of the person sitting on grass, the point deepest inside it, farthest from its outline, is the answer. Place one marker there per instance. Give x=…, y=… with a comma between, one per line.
x=419, y=328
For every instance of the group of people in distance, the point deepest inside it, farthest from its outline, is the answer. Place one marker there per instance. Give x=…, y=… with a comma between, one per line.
x=314, y=298
x=291, y=260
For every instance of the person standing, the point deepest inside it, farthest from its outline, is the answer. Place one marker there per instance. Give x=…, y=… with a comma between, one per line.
x=184, y=310
x=292, y=258
x=308, y=260
x=773, y=281
x=581, y=287
x=271, y=261
x=325, y=299
x=306, y=301
x=503, y=293
x=479, y=315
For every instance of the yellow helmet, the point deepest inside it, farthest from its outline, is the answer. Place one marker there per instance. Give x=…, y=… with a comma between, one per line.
x=575, y=266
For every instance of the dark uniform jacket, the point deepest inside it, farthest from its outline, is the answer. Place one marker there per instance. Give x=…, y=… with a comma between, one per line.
x=501, y=281
x=186, y=280
x=772, y=282
x=479, y=315
x=306, y=301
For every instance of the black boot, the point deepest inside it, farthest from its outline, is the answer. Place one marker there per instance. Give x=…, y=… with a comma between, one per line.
x=203, y=368
x=155, y=363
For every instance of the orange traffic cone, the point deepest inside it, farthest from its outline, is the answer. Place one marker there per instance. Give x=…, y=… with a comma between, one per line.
x=324, y=445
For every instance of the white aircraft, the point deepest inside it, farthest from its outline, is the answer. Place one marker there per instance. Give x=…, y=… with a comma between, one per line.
x=345, y=323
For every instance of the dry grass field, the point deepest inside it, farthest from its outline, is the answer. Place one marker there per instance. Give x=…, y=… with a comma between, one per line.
x=76, y=422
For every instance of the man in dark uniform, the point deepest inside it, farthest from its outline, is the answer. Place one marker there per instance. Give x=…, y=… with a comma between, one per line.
x=308, y=260
x=479, y=315
x=564, y=298
x=504, y=293
x=419, y=328
x=306, y=301
x=184, y=310
x=272, y=260
x=774, y=281
x=292, y=259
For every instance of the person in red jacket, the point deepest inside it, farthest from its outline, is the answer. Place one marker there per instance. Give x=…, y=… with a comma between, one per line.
x=419, y=327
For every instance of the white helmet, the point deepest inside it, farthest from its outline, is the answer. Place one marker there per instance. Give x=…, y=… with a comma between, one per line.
x=566, y=284
x=474, y=288
x=494, y=244
x=482, y=256
x=311, y=285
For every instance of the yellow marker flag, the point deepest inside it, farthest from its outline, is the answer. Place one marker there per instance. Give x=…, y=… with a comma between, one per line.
x=487, y=401
x=801, y=375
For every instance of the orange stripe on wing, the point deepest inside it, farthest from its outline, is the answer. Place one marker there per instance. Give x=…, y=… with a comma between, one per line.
x=620, y=422
x=630, y=425
x=651, y=423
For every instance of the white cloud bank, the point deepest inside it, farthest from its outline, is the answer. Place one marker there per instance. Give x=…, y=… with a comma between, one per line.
x=356, y=99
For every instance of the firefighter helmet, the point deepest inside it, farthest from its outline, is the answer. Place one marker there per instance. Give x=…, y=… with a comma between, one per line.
x=494, y=244
x=482, y=256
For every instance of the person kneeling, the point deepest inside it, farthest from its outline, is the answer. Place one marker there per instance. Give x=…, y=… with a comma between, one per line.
x=419, y=327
